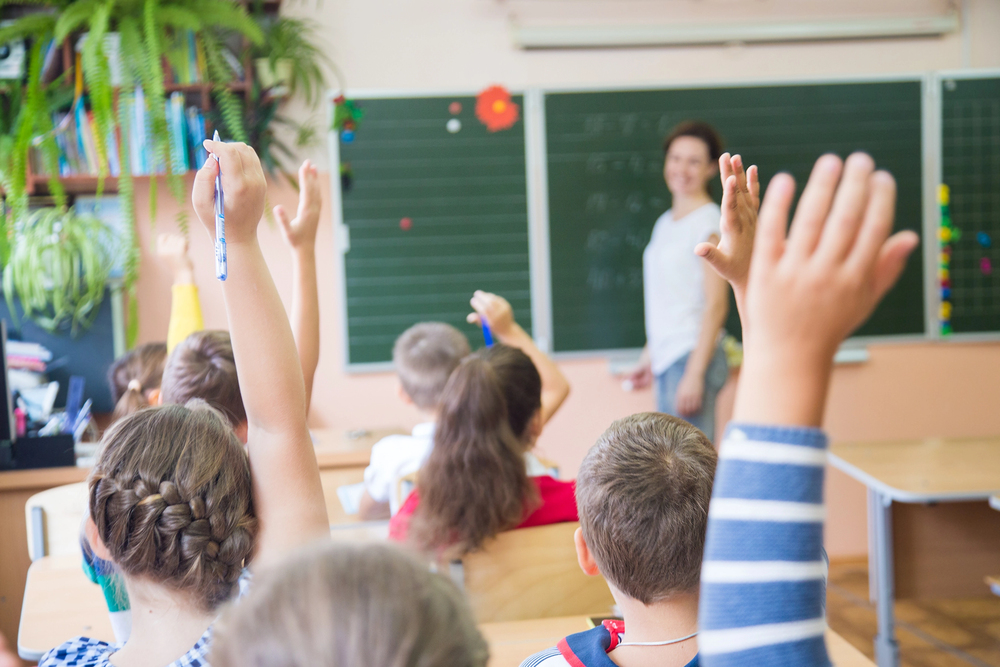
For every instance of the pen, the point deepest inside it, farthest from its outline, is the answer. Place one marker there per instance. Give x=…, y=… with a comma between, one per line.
x=487, y=335
x=221, y=268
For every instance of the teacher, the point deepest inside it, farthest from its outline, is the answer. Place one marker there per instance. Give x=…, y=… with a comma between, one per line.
x=686, y=300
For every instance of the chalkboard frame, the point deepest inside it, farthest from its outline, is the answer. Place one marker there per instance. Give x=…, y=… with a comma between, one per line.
x=341, y=232
x=938, y=79
x=930, y=170
x=537, y=190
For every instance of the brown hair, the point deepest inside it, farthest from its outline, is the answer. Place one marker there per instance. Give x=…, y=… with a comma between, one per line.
x=170, y=496
x=520, y=382
x=343, y=605
x=642, y=493
x=699, y=130
x=425, y=356
x=133, y=374
x=474, y=484
x=202, y=366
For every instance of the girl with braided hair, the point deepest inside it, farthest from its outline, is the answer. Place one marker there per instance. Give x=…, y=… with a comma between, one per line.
x=176, y=504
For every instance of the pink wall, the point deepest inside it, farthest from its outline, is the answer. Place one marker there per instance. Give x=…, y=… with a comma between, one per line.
x=906, y=390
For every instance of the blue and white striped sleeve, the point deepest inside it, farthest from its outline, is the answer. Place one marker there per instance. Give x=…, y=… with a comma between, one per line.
x=763, y=580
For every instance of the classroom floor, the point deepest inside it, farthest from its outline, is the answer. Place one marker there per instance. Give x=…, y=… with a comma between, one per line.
x=932, y=633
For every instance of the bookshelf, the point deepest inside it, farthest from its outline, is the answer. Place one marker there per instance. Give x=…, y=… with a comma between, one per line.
x=78, y=179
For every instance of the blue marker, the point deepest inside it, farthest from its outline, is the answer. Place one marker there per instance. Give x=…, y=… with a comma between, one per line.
x=221, y=267
x=487, y=335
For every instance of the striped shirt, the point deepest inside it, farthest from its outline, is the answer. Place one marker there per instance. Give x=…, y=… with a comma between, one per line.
x=763, y=577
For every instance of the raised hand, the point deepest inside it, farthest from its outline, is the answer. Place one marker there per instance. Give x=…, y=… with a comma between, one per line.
x=300, y=231
x=495, y=310
x=740, y=201
x=806, y=293
x=243, y=187
x=173, y=249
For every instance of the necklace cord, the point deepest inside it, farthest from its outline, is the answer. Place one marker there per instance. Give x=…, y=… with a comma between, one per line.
x=664, y=643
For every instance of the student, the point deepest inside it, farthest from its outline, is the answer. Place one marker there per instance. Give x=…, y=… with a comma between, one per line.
x=424, y=357
x=642, y=492
x=135, y=377
x=474, y=484
x=340, y=605
x=762, y=579
x=175, y=502
x=7, y=657
x=547, y=388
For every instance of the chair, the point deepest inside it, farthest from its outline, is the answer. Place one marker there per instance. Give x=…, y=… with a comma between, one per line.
x=530, y=573
x=994, y=582
x=53, y=518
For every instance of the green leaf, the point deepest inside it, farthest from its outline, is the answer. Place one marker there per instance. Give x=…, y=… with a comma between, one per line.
x=76, y=15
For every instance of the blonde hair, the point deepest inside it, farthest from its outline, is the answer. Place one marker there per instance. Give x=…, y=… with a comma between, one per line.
x=133, y=374
x=170, y=495
x=345, y=605
x=425, y=356
x=203, y=366
x=642, y=493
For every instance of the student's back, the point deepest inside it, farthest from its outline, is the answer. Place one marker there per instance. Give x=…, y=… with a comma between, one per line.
x=474, y=484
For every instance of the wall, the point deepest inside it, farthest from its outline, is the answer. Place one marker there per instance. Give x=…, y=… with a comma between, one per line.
x=907, y=390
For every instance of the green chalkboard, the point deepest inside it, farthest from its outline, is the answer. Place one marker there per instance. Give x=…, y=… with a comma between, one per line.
x=970, y=167
x=606, y=189
x=462, y=194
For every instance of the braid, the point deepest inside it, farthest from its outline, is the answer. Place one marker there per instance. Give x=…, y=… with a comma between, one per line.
x=184, y=519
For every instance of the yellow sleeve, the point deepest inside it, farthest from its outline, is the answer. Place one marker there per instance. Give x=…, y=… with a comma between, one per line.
x=185, y=315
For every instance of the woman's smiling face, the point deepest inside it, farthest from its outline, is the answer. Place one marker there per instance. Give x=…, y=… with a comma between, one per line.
x=688, y=167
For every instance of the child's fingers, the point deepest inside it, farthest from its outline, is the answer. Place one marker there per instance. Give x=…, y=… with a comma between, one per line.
x=729, y=198
x=892, y=260
x=716, y=259
x=741, y=176
x=773, y=219
x=203, y=191
x=472, y=318
x=814, y=205
x=876, y=225
x=282, y=217
x=849, y=206
x=725, y=167
x=753, y=179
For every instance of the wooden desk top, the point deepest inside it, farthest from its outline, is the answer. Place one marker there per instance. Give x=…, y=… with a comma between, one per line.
x=513, y=641
x=61, y=603
x=917, y=471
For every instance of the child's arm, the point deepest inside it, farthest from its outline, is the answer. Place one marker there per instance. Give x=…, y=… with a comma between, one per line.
x=185, y=309
x=763, y=554
x=288, y=496
x=300, y=234
x=500, y=318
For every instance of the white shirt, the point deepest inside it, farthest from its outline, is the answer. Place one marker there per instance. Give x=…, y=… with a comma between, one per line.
x=394, y=457
x=674, y=283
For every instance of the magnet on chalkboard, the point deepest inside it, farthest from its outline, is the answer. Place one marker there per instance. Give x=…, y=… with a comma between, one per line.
x=347, y=136
x=406, y=224
x=984, y=239
x=453, y=125
x=455, y=108
x=986, y=266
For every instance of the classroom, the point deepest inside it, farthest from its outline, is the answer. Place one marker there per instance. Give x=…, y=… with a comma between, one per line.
x=518, y=407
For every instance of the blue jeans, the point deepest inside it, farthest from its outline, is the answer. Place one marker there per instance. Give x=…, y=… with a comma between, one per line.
x=715, y=377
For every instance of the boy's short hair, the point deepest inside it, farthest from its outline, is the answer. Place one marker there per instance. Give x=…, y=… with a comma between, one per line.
x=425, y=355
x=202, y=366
x=643, y=492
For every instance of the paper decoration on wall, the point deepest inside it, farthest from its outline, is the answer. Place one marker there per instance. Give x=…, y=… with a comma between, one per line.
x=346, y=117
x=946, y=234
x=346, y=176
x=496, y=110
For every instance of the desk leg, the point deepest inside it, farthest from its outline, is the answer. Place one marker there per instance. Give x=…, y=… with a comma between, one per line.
x=886, y=646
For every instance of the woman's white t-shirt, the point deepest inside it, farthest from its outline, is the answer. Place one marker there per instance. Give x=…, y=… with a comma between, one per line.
x=674, y=283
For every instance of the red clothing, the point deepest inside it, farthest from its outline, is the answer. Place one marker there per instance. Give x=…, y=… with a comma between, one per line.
x=558, y=505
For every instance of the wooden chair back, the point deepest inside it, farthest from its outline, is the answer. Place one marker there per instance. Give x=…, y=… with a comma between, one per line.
x=53, y=518
x=531, y=573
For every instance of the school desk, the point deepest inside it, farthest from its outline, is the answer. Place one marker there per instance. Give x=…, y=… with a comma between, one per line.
x=342, y=458
x=513, y=641
x=931, y=530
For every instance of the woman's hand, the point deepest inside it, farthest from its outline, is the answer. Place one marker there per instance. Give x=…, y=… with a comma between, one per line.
x=690, y=393
x=640, y=377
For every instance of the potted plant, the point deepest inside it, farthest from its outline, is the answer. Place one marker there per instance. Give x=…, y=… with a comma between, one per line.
x=287, y=60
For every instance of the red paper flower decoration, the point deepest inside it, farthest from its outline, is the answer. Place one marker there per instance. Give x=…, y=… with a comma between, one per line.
x=495, y=109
